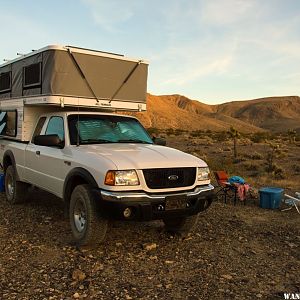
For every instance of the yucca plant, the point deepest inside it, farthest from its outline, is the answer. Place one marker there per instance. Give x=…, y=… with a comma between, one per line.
x=234, y=135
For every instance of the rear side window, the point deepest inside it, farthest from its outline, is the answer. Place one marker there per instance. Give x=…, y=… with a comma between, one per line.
x=8, y=123
x=5, y=82
x=38, y=127
x=56, y=126
x=32, y=75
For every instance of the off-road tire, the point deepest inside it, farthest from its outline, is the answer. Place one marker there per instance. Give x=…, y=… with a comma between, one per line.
x=87, y=225
x=182, y=226
x=15, y=191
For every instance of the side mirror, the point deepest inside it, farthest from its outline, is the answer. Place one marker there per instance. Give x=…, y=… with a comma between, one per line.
x=159, y=141
x=51, y=140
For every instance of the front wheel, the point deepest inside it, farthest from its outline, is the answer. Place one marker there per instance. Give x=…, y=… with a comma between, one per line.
x=15, y=191
x=88, y=227
x=182, y=225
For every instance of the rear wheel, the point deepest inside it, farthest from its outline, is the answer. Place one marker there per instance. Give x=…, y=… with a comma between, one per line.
x=87, y=225
x=182, y=226
x=15, y=191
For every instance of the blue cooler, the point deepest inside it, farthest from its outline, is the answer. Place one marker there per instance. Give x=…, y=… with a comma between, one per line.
x=1, y=182
x=270, y=197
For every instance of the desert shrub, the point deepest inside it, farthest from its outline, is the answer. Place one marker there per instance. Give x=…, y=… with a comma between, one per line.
x=255, y=155
x=246, y=141
x=196, y=133
x=238, y=160
x=153, y=130
x=259, y=137
x=272, y=154
x=169, y=131
x=221, y=163
x=179, y=131
x=278, y=172
x=292, y=133
x=283, y=154
x=296, y=169
x=251, y=166
x=220, y=136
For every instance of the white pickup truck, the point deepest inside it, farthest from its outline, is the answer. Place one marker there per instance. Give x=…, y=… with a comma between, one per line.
x=103, y=166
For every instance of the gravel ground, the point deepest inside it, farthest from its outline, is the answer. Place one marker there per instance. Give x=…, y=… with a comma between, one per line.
x=236, y=252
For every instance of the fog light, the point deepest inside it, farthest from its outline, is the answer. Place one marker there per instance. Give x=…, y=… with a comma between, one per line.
x=127, y=212
x=160, y=207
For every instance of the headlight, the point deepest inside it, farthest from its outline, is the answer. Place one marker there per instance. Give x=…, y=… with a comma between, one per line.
x=127, y=177
x=203, y=174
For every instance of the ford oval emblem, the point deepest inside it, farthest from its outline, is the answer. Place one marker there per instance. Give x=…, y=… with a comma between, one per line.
x=173, y=177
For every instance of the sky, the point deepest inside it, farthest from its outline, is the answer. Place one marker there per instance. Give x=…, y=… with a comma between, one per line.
x=213, y=51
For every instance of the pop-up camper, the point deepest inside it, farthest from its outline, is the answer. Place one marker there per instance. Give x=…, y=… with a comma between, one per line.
x=63, y=76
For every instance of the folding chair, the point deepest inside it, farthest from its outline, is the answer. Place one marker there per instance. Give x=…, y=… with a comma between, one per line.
x=292, y=201
x=224, y=189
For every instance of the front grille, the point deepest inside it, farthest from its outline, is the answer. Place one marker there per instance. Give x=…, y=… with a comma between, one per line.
x=162, y=178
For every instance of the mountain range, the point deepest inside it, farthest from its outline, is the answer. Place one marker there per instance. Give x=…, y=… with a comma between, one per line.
x=277, y=114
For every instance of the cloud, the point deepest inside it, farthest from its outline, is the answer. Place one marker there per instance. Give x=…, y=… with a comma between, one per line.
x=229, y=39
x=220, y=12
x=201, y=68
x=110, y=14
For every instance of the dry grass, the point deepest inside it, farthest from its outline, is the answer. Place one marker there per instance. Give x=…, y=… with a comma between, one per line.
x=252, y=160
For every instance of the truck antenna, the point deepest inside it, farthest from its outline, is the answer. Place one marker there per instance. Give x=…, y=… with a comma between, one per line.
x=78, y=125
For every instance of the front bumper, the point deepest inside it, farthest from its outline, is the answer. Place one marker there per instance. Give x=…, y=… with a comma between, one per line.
x=146, y=207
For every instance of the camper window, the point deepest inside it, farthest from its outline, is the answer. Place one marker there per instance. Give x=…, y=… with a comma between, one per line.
x=8, y=123
x=5, y=82
x=32, y=75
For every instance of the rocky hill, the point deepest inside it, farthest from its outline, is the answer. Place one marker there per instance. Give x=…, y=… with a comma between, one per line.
x=179, y=112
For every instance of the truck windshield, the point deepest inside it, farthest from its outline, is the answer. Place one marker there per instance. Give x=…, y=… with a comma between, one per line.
x=98, y=129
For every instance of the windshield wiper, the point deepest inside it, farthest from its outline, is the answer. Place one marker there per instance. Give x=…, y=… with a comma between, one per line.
x=95, y=141
x=133, y=141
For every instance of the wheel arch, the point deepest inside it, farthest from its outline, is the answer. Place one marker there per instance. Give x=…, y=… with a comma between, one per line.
x=75, y=177
x=9, y=159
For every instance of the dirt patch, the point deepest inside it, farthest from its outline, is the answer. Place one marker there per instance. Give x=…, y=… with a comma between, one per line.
x=236, y=252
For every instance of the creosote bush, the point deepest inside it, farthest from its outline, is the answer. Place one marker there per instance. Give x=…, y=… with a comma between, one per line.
x=254, y=156
x=260, y=137
x=170, y=131
x=220, y=136
x=153, y=131
x=197, y=133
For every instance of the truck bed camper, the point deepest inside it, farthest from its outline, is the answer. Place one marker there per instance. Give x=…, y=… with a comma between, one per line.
x=63, y=77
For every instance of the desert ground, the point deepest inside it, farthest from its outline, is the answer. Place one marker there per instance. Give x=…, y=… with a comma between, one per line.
x=235, y=252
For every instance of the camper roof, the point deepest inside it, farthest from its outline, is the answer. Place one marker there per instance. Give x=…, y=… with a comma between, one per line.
x=73, y=49
x=113, y=80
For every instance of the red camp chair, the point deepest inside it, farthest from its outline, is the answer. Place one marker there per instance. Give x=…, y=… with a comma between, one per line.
x=224, y=189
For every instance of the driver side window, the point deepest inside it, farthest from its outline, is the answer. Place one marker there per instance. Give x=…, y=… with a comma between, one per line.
x=56, y=126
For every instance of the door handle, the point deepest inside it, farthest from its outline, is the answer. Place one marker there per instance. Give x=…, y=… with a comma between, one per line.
x=37, y=152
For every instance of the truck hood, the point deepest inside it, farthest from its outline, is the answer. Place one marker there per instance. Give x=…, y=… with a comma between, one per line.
x=140, y=156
